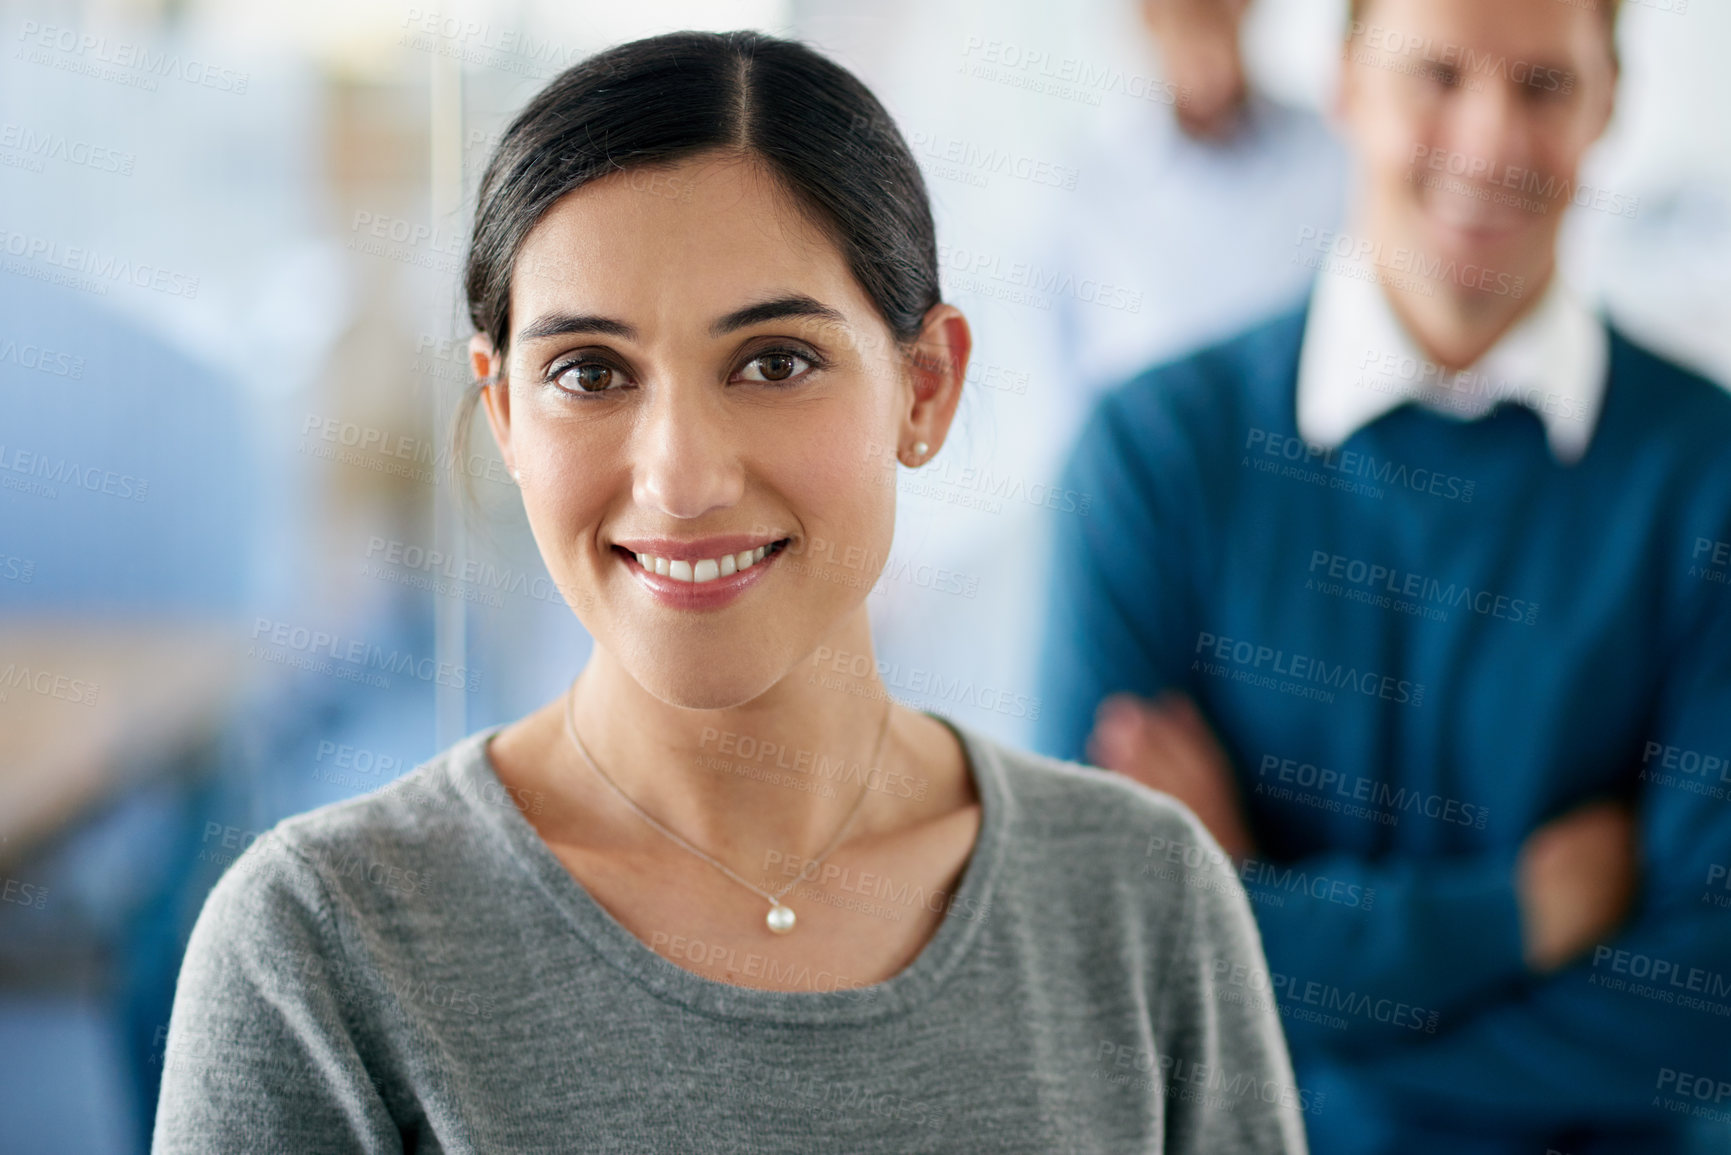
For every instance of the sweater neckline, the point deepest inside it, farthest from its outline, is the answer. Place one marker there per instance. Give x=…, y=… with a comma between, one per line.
x=477, y=781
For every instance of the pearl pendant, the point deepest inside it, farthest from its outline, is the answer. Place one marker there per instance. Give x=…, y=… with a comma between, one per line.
x=780, y=919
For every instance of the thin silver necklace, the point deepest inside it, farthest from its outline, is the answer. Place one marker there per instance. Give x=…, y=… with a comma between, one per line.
x=780, y=918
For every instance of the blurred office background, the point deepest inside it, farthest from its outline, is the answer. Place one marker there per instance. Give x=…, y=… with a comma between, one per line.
x=230, y=340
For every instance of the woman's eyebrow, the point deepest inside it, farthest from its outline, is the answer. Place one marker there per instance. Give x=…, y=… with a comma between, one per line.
x=791, y=305
x=556, y=324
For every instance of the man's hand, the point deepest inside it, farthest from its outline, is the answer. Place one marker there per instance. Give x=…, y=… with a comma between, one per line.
x=1575, y=878
x=1166, y=745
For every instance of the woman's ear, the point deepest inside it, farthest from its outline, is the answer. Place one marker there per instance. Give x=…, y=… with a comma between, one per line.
x=489, y=370
x=937, y=365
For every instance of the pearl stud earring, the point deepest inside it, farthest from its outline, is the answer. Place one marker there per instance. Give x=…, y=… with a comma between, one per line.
x=919, y=452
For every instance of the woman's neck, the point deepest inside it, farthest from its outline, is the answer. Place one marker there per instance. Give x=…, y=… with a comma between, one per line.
x=778, y=774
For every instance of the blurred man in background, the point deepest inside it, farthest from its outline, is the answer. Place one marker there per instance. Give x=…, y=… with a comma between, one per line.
x=1412, y=595
x=1192, y=200
x=1188, y=197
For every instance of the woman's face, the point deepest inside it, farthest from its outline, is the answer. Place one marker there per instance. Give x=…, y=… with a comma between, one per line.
x=704, y=410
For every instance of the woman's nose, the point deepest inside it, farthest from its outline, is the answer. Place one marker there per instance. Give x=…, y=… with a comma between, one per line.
x=684, y=457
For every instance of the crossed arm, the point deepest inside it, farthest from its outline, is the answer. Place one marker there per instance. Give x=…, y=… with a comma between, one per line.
x=1511, y=950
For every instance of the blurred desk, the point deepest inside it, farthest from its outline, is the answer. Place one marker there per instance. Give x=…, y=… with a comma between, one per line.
x=88, y=708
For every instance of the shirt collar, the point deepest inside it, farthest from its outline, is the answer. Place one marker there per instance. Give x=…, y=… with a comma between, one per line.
x=1358, y=362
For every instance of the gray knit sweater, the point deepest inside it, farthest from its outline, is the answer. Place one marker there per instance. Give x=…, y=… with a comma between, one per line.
x=415, y=970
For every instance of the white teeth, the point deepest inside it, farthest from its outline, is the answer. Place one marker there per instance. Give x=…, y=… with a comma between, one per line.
x=703, y=569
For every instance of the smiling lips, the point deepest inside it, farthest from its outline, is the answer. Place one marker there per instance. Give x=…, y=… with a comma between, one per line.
x=702, y=574
x=703, y=569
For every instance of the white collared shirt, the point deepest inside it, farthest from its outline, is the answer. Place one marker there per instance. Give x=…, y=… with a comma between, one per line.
x=1358, y=362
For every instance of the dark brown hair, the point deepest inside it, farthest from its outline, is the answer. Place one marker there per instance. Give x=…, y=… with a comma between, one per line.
x=658, y=101
x=654, y=102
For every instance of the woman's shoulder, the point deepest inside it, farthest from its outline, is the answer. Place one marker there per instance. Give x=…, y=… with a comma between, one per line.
x=1065, y=805
x=378, y=848
x=1105, y=858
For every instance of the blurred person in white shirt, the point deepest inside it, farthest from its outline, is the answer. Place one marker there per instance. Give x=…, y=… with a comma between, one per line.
x=1192, y=210
x=1196, y=204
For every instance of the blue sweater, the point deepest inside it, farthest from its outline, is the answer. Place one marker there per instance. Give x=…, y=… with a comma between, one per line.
x=1416, y=649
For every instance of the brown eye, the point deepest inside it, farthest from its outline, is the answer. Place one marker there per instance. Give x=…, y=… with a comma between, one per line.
x=775, y=367
x=585, y=377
